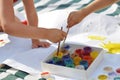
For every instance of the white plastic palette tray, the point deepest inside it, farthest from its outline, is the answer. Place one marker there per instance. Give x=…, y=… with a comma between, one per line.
x=111, y=60
x=3, y=39
x=72, y=72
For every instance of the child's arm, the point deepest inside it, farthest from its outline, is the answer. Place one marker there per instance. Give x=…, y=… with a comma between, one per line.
x=77, y=16
x=12, y=27
x=99, y=4
x=30, y=12
x=32, y=20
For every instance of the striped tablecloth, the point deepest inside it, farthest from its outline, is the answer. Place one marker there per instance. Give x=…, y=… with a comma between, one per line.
x=51, y=5
x=9, y=73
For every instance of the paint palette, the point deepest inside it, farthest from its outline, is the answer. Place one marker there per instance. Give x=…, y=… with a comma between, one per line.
x=63, y=64
x=3, y=39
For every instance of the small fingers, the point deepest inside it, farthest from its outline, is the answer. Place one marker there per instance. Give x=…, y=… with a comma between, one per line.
x=34, y=46
x=44, y=45
x=41, y=44
x=70, y=24
x=70, y=20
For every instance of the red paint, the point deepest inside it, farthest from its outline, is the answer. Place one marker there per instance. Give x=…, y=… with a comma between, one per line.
x=24, y=22
x=79, y=52
x=44, y=73
x=118, y=70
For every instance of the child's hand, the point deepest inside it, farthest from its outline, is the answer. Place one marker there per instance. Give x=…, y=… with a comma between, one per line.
x=55, y=35
x=75, y=17
x=36, y=44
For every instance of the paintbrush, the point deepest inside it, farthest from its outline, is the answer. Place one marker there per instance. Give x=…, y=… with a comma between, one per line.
x=58, y=49
x=65, y=37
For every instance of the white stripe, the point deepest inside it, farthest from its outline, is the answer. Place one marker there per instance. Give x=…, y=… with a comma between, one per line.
x=20, y=4
x=20, y=66
x=12, y=71
x=71, y=8
x=54, y=6
x=19, y=79
x=84, y=2
x=31, y=77
x=74, y=6
x=61, y=2
x=3, y=75
x=42, y=2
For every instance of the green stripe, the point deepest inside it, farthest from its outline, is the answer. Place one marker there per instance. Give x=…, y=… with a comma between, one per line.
x=51, y=2
x=10, y=77
x=3, y=70
x=117, y=12
x=39, y=8
x=84, y=5
x=118, y=3
x=63, y=6
x=35, y=1
x=21, y=74
x=20, y=9
x=76, y=1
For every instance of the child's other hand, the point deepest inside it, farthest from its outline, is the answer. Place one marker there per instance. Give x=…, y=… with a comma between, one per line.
x=55, y=35
x=36, y=44
x=75, y=17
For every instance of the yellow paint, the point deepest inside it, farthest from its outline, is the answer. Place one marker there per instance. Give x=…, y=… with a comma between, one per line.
x=59, y=55
x=102, y=77
x=96, y=37
x=114, y=51
x=112, y=47
x=94, y=54
x=77, y=60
